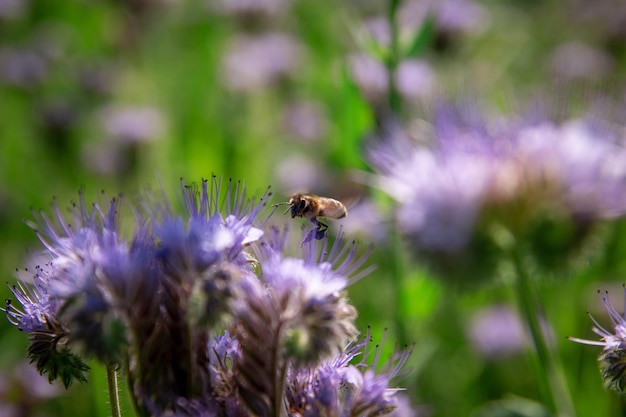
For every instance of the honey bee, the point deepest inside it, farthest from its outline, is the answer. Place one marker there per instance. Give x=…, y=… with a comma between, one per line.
x=311, y=206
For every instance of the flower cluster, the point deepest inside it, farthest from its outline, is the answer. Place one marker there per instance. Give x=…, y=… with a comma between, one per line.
x=206, y=313
x=467, y=178
x=613, y=357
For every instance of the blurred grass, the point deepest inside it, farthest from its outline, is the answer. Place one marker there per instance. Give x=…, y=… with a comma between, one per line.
x=167, y=56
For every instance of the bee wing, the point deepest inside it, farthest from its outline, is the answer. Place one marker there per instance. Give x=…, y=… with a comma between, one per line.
x=332, y=208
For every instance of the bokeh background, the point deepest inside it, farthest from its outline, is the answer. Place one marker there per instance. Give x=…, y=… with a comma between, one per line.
x=123, y=95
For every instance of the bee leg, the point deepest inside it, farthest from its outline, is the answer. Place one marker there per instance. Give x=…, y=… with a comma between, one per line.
x=321, y=229
x=309, y=236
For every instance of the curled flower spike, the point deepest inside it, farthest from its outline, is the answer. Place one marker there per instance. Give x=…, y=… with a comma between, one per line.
x=613, y=357
x=47, y=336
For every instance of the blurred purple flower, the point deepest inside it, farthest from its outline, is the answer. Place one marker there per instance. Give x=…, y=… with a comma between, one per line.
x=611, y=360
x=497, y=332
x=439, y=195
x=305, y=120
x=13, y=9
x=606, y=16
x=576, y=61
x=452, y=17
x=586, y=165
x=253, y=63
x=23, y=390
x=365, y=220
x=470, y=167
x=132, y=124
x=299, y=172
x=22, y=68
x=475, y=188
x=415, y=78
x=251, y=9
x=125, y=131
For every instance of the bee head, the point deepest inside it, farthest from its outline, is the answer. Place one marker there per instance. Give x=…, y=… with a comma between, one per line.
x=298, y=206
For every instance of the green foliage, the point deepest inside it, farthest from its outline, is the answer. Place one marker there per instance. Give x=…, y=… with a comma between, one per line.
x=57, y=362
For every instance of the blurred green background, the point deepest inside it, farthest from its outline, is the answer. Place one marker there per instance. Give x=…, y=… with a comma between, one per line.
x=122, y=95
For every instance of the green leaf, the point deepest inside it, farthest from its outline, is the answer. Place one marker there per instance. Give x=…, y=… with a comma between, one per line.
x=56, y=362
x=422, y=38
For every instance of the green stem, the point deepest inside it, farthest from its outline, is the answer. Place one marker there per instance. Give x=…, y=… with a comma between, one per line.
x=398, y=270
x=552, y=380
x=393, y=58
x=397, y=276
x=114, y=394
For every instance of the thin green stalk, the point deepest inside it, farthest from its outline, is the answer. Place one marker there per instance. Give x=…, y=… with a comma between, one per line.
x=552, y=381
x=398, y=262
x=398, y=272
x=393, y=58
x=114, y=394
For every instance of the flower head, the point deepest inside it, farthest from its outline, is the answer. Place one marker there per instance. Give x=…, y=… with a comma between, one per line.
x=338, y=385
x=470, y=177
x=297, y=314
x=107, y=294
x=613, y=357
x=156, y=296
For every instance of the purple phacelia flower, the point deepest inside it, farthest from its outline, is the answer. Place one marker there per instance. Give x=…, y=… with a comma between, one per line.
x=154, y=297
x=206, y=238
x=470, y=178
x=612, y=360
x=340, y=387
x=48, y=336
x=296, y=315
x=151, y=292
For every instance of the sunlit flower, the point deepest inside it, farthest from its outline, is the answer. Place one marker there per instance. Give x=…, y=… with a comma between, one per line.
x=154, y=293
x=104, y=294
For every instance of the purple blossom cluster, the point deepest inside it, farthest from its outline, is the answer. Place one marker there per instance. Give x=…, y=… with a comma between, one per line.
x=466, y=173
x=206, y=313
